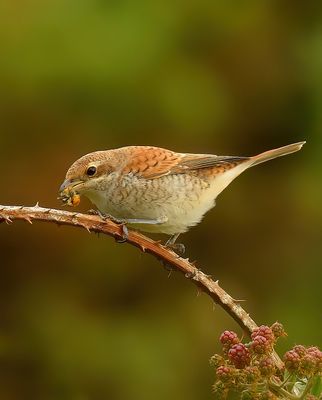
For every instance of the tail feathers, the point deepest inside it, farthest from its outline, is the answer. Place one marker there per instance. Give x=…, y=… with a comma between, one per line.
x=281, y=151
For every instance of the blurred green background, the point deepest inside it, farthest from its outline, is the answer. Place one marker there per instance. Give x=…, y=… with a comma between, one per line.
x=83, y=318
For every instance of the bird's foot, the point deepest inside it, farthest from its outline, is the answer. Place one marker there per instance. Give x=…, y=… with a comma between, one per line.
x=178, y=248
x=122, y=222
x=105, y=216
x=125, y=234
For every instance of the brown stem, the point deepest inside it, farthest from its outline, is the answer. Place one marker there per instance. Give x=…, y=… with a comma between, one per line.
x=280, y=391
x=94, y=223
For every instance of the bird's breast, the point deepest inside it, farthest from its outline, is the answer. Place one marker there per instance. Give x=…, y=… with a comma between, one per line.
x=182, y=198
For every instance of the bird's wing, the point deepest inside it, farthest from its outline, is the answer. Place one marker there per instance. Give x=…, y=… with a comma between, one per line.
x=199, y=161
x=154, y=162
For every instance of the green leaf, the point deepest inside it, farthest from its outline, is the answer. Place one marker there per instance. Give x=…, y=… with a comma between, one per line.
x=316, y=389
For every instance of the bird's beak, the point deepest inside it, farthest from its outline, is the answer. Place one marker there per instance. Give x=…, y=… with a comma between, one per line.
x=65, y=184
x=69, y=184
x=67, y=193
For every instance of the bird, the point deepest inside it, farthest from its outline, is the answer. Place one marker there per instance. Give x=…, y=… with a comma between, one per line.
x=153, y=189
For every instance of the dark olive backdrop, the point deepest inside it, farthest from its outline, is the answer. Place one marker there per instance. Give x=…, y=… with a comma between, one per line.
x=84, y=318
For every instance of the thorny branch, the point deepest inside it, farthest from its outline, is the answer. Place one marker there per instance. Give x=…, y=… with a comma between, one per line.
x=94, y=223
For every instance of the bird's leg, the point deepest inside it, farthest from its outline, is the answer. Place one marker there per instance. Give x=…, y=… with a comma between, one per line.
x=121, y=222
x=158, y=221
x=177, y=247
x=104, y=216
x=172, y=239
x=125, y=221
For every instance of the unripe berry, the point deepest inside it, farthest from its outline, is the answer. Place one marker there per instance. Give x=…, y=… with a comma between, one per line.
x=260, y=345
x=251, y=374
x=219, y=390
x=267, y=366
x=278, y=330
x=239, y=355
x=317, y=354
x=265, y=331
x=216, y=360
x=224, y=373
x=312, y=349
x=249, y=395
x=292, y=360
x=268, y=396
x=301, y=350
x=315, y=351
x=229, y=338
x=307, y=364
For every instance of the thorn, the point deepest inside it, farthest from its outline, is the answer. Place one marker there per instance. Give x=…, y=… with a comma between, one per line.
x=170, y=272
x=28, y=219
x=87, y=228
x=217, y=281
x=8, y=220
x=143, y=248
x=37, y=204
x=238, y=300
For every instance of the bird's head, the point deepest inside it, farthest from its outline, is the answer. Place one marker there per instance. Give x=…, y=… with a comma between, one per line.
x=87, y=174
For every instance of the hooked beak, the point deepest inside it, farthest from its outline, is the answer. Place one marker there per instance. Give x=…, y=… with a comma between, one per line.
x=69, y=183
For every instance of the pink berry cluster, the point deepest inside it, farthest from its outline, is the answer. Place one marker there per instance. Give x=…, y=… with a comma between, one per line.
x=249, y=369
x=304, y=361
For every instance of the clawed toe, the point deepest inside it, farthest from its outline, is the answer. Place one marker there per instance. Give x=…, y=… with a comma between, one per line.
x=103, y=216
x=122, y=222
x=178, y=248
x=93, y=212
x=125, y=234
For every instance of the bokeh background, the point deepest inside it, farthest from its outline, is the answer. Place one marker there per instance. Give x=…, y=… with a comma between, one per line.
x=83, y=318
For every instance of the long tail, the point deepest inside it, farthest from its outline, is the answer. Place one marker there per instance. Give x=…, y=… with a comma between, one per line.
x=281, y=151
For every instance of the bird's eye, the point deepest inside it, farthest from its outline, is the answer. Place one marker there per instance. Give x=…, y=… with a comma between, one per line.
x=91, y=171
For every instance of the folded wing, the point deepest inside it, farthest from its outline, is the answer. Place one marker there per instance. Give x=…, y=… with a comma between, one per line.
x=154, y=162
